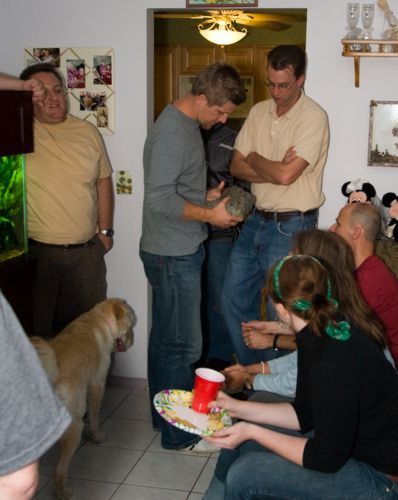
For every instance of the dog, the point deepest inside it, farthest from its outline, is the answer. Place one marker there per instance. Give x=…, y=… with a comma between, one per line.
x=77, y=361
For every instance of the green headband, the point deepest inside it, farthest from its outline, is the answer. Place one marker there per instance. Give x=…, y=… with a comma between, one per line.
x=301, y=304
x=342, y=332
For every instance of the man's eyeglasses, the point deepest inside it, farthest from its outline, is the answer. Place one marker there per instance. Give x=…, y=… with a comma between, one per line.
x=280, y=86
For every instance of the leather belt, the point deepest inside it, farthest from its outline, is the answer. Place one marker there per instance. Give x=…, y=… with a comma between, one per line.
x=66, y=246
x=284, y=216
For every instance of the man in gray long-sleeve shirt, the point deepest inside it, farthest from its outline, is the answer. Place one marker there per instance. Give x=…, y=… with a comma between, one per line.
x=174, y=227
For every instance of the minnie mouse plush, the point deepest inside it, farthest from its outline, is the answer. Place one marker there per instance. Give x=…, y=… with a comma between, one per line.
x=358, y=191
x=390, y=201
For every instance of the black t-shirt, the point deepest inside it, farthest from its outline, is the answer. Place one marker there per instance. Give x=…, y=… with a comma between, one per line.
x=347, y=393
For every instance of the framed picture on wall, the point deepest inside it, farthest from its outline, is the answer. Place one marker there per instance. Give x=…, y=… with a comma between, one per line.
x=383, y=134
x=222, y=3
x=89, y=77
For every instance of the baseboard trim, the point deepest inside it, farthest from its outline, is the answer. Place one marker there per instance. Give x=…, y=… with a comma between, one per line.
x=131, y=383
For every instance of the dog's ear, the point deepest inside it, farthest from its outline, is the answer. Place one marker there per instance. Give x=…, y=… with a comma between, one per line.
x=119, y=310
x=123, y=313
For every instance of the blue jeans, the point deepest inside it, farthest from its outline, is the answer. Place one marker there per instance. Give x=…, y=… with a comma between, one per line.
x=217, y=340
x=260, y=243
x=175, y=342
x=253, y=472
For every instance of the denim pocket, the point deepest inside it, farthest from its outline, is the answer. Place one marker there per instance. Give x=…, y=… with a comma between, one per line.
x=153, y=267
x=295, y=224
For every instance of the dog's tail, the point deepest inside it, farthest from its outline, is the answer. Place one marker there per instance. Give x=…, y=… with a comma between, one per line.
x=47, y=357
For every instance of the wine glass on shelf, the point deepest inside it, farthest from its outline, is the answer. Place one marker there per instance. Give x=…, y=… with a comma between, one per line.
x=368, y=15
x=353, y=12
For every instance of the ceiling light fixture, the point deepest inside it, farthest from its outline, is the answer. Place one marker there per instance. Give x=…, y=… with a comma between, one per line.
x=223, y=28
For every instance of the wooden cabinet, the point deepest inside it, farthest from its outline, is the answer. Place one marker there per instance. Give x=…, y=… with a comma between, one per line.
x=165, y=75
x=194, y=59
x=261, y=91
x=174, y=62
x=240, y=57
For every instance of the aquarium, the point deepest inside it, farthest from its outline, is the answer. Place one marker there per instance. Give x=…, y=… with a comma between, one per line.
x=13, y=234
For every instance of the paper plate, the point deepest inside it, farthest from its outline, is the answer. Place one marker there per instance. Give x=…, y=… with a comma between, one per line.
x=174, y=405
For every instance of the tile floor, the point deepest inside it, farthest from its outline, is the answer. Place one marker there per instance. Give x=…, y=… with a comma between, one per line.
x=131, y=464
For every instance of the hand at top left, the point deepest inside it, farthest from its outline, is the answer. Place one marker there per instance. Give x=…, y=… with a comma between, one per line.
x=38, y=91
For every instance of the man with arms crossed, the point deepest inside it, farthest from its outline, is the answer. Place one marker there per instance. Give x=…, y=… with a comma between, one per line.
x=281, y=149
x=70, y=208
x=174, y=228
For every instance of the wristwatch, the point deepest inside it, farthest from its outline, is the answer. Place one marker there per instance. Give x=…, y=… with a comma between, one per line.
x=108, y=232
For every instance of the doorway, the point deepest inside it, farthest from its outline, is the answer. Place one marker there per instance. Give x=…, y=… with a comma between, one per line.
x=177, y=52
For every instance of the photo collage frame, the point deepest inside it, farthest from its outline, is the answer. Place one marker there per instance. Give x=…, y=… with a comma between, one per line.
x=89, y=77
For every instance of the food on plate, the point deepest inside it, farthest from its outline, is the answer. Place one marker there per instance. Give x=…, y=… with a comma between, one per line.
x=214, y=422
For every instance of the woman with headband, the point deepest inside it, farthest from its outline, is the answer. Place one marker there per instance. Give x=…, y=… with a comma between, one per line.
x=336, y=255
x=339, y=438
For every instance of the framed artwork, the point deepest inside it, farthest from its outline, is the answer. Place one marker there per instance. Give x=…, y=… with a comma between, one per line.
x=222, y=3
x=383, y=134
x=124, y=182
x=89, y=77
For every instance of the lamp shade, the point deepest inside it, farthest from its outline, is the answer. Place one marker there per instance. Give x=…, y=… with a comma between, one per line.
x=222, y=35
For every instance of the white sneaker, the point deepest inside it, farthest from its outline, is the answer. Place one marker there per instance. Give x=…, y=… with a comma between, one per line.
x=201, y=447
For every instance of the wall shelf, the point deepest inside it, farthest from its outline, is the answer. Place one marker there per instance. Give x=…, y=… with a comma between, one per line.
x=368, y=48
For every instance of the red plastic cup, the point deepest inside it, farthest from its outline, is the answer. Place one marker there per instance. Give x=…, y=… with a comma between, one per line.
x=207, y=385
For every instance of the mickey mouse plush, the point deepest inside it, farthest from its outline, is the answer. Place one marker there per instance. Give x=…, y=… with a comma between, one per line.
x=390, y=201
x=358, y=191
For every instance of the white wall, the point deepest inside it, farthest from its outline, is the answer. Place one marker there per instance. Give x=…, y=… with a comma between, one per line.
x=122, y=24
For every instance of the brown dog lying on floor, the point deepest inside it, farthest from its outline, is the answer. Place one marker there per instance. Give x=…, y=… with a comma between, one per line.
x=77, y=362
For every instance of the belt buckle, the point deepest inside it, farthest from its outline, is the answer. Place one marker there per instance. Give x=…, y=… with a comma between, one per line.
x=269, y=215
x=266, y=214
